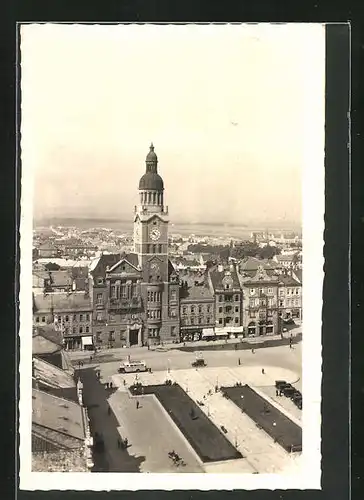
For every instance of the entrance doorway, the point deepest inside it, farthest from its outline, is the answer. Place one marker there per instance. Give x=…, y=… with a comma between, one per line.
x=133, y=337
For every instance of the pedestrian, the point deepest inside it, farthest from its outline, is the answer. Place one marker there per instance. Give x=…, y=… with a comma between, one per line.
x=124, y=381
x=253, y=350
x=276, y=392
x=91, y=358
x=110, y=385
x=126, y=442
x=238, y=361
x=119, y=443
x=137, y=404
x=263, y=372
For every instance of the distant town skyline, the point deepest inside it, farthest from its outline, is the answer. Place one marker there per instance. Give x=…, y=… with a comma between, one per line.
x=226, y=107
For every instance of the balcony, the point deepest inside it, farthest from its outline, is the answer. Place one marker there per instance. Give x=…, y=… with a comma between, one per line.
x=125, y=304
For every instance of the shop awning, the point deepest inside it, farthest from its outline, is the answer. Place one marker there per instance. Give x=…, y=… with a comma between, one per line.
x=208, y=332
x=236, y=329
x=87, y=341
x=221, y=331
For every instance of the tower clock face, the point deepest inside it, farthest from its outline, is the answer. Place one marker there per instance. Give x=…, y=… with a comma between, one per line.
x=155, y=234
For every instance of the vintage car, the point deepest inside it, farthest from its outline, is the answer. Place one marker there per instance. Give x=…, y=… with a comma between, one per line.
x=199, y=363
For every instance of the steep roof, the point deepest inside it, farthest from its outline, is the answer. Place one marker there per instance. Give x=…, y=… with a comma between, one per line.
x=288, y=280
x=298, y=274
x=61, y=416
x=217, y=277
x=109, y=260
x=54, y=380
x=252, y=264
x=196, y=293
x=46, y=340
x=61, y=302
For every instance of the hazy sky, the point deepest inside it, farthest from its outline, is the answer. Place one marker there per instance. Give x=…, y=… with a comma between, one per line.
x=225, y=106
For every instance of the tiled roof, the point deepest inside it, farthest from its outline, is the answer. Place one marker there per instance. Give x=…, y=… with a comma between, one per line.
x=57, y=414
x=52, y=375
x=46, y=340
x=217, y=277
x=61, y=301
x=59, y=278
x=197, y=292
x=252, y=264
x=109, y=260
x=288, y=280
x=59, y=461
x=286, y=258
x=298, y=274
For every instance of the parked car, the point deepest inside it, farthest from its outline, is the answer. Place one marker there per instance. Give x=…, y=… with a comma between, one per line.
x=288, y=391
x=198, y=363
x=280, y=383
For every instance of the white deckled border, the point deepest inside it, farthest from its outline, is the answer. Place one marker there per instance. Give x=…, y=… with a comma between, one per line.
x=305, y=474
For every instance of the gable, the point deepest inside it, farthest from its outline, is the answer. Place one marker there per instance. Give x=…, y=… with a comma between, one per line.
x=123, y=266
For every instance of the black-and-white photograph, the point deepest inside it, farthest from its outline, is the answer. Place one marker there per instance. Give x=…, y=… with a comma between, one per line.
x=171, y=255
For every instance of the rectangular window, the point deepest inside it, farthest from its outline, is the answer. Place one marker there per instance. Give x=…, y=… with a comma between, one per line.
x=236, y=309
x=208, y=309
x=192, y=309
x=81, y=329
x=252, y=303
x=192, y=321
x=87, y=329
x=173, y=331
x=252, y=314
x=98, y=336
x=220, y=321
x=87, y=317
x=43, y=319
x=81, y=317
x=281, y=303
x=37, y=319
x=270, y=290
x=74, y=329
x=208, y=319
x=220, y=298
x=111, y=335
x=98, y=299
x=281, y=291
x=184, y=310
x=200, y=309
x=236, y=320
x=98, y=317
x=173, y=295
x=220, y=309
x=236, y=298
x=200, y=320
x=67, y=318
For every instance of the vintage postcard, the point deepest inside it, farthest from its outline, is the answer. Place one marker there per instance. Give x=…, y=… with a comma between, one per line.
x=172, y=217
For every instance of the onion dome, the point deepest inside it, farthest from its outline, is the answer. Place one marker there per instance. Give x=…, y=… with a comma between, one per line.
x=151, y=180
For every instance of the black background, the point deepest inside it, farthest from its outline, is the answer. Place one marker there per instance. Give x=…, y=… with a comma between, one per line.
x=336, y=313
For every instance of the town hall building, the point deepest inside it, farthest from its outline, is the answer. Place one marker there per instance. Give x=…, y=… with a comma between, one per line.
x=135, y=296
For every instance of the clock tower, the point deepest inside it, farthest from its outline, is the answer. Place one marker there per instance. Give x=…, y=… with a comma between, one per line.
x=158, y=284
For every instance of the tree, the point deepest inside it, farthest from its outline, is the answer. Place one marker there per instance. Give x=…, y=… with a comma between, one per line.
x=52, y=266
x=268, y=252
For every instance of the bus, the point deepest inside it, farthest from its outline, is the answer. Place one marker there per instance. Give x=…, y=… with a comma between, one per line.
x=132, y=367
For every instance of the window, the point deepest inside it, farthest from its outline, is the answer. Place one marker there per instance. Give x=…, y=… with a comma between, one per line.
x=87, y=317
x=220, y=298
x=251, y=303
x=236, y=309
x=236, y=298
x=87, y=329
x=98, y=317
x=236, y=320
x=43, y=319
x=251, y=314
x=59, y=318
x=98, y=299
x=220, y=321
x=123, y=291
x=296, y=291
x=98, y=336
x=74, y=329
x=173, y=331
x=208, y=319
x=192, y=309
x=200, y=309
x=173, y=295
x=81, y=329
x=252, y=291
x=66, y=330
x=208, y=309
x=192, y=321
x=111, y=336
x=113, y=292
x=270, y=290
x=100, y=281
x=288, y=291
x=81, y=317
x=281, y=303
x=199, y=320
x=220, y=309
x=67, y=318
x=184, y=310
x=281, y=291
x=37, y=319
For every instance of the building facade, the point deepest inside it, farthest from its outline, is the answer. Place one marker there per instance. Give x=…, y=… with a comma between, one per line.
x=289, y=298
x=135, y=297
x=260, y=304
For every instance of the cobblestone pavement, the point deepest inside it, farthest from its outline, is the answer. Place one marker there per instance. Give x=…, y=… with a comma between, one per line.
x=262, y=454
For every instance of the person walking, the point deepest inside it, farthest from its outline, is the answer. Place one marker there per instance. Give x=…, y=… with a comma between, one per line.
x=253, y=351
x=239, y=361
x=263, y=372
x=110, y=385
x=137, y=404
x=119, y=443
